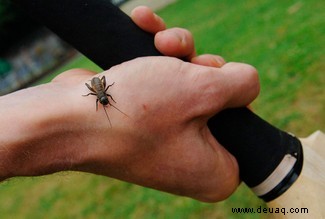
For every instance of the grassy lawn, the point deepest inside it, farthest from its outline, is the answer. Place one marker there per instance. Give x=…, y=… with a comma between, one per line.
x=284, y=40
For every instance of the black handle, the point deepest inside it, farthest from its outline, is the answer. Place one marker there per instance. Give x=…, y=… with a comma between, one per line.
x=108, y=37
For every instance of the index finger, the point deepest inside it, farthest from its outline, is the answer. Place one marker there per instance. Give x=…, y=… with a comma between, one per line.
x=147, y=20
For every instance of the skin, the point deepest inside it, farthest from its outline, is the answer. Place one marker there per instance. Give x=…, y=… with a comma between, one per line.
x=308, y=191
x=162, y=143
x=175, y=42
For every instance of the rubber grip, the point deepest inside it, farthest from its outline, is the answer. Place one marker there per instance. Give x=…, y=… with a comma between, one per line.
x=108, y=37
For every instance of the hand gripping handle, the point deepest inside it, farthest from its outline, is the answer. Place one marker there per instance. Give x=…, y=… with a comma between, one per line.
x=269, y=159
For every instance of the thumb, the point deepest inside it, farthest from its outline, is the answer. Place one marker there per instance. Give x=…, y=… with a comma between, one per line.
x=243, y=84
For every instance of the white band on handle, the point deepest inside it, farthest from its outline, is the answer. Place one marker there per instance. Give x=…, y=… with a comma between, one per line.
x=276, y=176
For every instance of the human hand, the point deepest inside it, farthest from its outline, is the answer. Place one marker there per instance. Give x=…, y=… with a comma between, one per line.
x=163, y=143
x=174, y=42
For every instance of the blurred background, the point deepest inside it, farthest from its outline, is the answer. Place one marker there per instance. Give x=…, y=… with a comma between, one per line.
x=284, y=40
x=28, y=50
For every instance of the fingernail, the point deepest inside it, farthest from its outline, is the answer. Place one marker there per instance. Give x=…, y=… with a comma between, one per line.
x=181, y=38
x=176, y=36
x=219, y=61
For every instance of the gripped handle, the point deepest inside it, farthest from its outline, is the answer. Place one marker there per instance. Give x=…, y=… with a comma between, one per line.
x=269, y=159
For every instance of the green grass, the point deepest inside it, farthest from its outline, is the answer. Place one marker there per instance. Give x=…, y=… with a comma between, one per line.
x=79, y=195
x=78, y=62
x=285, y=40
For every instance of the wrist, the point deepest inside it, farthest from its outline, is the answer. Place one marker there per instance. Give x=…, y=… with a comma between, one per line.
x=52, y=127
x=35, y=132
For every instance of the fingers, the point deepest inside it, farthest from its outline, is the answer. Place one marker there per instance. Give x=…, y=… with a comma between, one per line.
x=147, y=20
x=239, y=83
x=209, y=60
x=176, y=42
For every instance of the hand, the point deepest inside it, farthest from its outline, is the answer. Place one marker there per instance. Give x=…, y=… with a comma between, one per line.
x=175, y=42
x=163, y=143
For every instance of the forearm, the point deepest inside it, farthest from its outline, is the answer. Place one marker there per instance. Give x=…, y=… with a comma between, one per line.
x=36, y=128
x=52, y=128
